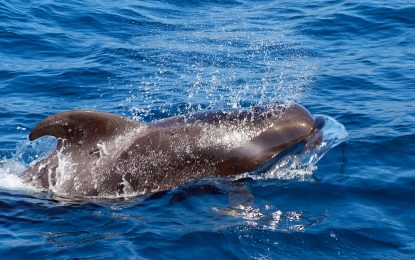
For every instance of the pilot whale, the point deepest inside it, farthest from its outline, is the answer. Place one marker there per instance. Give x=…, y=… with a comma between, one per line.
x=103, y=154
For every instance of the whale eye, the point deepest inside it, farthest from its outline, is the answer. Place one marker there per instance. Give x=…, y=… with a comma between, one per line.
x=96, y=152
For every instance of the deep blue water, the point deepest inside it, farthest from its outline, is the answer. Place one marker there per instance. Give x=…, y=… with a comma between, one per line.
x=149, y=60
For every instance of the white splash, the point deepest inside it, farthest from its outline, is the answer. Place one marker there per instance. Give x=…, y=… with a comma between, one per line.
x=11, y=167
x=8, y=175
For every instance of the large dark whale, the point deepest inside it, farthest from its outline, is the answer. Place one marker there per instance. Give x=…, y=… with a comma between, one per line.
x=102, y=154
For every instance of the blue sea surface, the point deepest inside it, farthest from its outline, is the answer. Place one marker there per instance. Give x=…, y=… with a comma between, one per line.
x=147, y=60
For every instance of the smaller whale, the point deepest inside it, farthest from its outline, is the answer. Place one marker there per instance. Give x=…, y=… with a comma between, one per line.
x=102, y=154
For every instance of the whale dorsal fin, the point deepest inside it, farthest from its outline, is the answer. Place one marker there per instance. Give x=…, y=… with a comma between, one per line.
x=78, y=126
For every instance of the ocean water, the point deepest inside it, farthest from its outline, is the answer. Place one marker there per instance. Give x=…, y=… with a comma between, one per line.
x=352, y=62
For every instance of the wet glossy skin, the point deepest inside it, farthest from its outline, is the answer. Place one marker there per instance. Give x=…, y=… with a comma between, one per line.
x=101, y=154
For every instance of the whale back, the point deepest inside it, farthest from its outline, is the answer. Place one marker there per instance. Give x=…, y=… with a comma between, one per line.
x=238, y=141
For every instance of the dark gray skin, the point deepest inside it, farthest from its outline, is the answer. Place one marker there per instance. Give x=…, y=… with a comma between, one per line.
x=102, y=154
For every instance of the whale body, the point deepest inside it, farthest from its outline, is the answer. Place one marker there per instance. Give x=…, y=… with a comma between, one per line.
x=103, y=154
